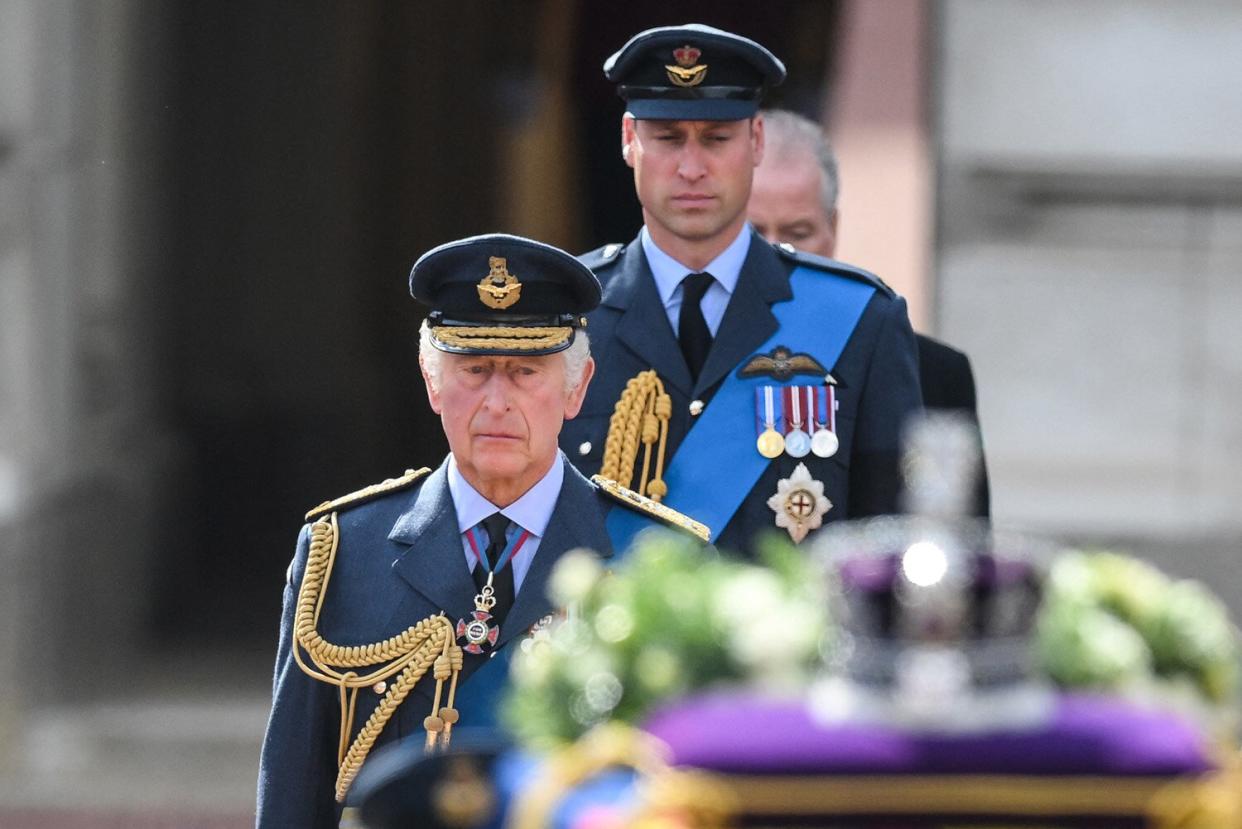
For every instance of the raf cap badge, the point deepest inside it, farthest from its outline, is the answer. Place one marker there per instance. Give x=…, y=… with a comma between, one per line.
x=686, y=72
x=499, y=289
x=684, y=88
x=799, y=503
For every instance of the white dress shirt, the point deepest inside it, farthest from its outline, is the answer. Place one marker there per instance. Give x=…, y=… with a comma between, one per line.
x=531, y=512
x=668, y=273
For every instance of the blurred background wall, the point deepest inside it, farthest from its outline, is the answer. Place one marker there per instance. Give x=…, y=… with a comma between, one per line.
x=207, y=212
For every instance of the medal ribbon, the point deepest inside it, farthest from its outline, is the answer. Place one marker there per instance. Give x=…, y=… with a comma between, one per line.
x=475, y=536
x=769, y=410
x=828, y=408
x=820, y=318
x=794, y=395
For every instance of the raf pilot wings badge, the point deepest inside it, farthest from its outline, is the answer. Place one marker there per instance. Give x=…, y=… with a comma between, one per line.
x=781, y=364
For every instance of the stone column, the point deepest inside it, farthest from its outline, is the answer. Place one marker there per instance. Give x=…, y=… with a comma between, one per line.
x=78, y=448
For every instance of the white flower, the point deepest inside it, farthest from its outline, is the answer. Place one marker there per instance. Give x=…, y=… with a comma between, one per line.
x=657, y=669
x=613, y=623
x=573, y=577
x=770, y=633
x=747, y=594
x=533, y=667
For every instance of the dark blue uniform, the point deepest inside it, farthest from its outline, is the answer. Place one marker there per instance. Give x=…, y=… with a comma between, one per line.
x=877, y=384
x=399, y=561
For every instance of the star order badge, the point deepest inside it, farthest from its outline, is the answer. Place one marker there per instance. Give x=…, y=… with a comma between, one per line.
x=499, y=289
x=799, y=503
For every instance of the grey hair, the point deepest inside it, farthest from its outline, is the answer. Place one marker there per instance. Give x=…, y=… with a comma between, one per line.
x=576, y=357
x=788, y=133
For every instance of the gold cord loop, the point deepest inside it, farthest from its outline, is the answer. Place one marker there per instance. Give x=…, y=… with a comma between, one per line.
x=641, y=416
x=431, y=643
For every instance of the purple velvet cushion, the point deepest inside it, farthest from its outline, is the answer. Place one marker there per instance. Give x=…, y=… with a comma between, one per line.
x=1088, y=735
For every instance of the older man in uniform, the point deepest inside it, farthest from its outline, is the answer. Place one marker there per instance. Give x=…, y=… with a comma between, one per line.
x=774, y=385
x=794, y=201
x=401, y=596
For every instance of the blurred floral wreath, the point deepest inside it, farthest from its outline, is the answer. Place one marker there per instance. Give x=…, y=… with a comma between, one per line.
x=674, y=618
x=1116, y=623
x=670, y=619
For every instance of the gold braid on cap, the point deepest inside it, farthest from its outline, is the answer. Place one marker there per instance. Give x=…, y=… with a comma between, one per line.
x=640, y=416
x=431, y=643
x=501, y=336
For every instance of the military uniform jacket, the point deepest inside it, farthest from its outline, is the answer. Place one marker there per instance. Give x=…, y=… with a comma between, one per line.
x=876, y=374
x=399, y=560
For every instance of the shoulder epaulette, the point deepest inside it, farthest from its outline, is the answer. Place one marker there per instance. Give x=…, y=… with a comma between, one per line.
x=823, y=263
x=643, y=504
x=368, y=493
x=600, y=257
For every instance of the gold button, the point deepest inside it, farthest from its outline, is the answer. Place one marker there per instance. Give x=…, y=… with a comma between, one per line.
x=380, y=687
x=584, y=447
x=696, y=408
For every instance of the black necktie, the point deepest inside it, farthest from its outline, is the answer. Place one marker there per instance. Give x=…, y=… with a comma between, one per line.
x=692, y=331
x=502, y=582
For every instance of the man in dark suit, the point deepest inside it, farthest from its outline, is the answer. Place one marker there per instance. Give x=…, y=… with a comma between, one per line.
x=781, y=380
x=435, y=574
x=794, y=201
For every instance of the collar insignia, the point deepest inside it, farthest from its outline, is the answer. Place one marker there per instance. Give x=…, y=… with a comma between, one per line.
x=686, y=72
x=499, y=289
x=540, y=633
x=781, y=364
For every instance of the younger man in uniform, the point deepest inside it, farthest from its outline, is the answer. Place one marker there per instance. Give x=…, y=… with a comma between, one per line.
x=781, y=381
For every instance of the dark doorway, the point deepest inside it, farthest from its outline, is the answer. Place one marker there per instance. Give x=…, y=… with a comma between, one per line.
x=312, y=154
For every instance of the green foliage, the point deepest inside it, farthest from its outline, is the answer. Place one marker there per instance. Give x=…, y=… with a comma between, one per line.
x=672, y=618
x=1110, y=621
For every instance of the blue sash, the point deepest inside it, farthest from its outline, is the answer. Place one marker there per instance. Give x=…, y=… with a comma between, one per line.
x=818, y=320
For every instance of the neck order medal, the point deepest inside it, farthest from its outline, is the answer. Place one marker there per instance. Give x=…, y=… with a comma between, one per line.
x=478, y=632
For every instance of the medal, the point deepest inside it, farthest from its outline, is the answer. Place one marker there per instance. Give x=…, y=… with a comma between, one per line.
x=479, y=632
x=539, y=634
x=770, y=442
x=824, y=444
x=824, y=441
x=799, y=503
x=797, y=442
